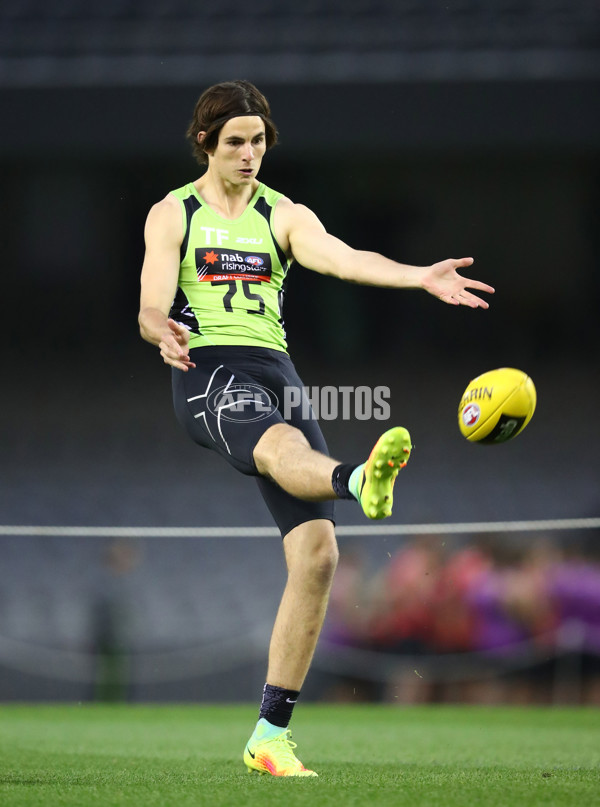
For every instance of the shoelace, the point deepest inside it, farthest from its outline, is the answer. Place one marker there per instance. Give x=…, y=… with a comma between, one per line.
x=285, y=749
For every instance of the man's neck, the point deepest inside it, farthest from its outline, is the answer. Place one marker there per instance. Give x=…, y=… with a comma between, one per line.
x=226, y=199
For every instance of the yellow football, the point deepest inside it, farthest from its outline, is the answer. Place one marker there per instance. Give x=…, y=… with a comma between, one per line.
x=496, y=406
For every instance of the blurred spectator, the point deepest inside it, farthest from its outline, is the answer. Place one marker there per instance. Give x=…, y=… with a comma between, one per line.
x=347, y=624
x=110, y=617
x=454, y=617
x=506, y=601
x=403, y=613
x=403, y=602
x=573, y=586
x=511, y=610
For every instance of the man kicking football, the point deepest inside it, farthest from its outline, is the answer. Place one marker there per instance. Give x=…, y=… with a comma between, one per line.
x=217, y=253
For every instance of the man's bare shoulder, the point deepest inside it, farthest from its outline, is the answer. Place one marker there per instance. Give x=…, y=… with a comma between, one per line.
x=286, y=207
x=165, y=218
x=291, y=215
x=167, y=207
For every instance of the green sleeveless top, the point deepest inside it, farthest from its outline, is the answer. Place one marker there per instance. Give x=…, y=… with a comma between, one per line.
x=230, y=287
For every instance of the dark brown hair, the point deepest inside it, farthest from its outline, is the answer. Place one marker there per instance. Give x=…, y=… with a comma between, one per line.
x=220, y=103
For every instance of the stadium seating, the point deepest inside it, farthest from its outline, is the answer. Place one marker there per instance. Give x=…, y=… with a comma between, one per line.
x=120, y=41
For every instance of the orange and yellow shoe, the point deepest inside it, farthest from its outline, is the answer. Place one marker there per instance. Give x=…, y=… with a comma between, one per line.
x=372, y=483
x=273, y=753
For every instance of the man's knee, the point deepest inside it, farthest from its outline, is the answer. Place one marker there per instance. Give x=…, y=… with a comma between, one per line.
x=274, y=444
x=325, y=561
x=311, y=548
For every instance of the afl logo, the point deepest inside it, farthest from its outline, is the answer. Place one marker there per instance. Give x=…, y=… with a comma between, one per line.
x=471, y=414
x=242, y=402
x=254, y=260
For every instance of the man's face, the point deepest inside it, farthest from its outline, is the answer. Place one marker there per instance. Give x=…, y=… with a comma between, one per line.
x=240, y=150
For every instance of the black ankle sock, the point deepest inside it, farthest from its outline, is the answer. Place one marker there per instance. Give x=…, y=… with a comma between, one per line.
x=340, y=479
x=277, y=705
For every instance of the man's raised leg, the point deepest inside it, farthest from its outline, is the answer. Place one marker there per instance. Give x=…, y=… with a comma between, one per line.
x=284, y=455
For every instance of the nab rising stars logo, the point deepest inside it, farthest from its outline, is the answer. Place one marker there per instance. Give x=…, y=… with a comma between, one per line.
x=213, y=266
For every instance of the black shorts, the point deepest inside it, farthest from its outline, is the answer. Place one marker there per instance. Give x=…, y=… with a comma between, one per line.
x=228, y=401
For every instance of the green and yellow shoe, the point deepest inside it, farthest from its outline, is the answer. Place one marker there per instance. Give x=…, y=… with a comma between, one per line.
x=372, y=483
x=274, y=754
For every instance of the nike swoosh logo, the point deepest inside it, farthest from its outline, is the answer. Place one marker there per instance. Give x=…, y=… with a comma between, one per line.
x=250, y=752
x=287, y=700
x=362, y=484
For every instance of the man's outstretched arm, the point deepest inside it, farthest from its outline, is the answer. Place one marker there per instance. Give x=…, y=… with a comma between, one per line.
x=313, y=247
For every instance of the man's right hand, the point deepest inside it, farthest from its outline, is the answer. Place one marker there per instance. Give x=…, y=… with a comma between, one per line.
x=174, y=346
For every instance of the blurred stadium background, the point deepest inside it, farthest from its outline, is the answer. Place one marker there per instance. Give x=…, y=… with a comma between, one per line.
x=418, y=129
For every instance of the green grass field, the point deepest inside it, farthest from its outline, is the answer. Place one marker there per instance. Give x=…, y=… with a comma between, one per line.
x=365, y=755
